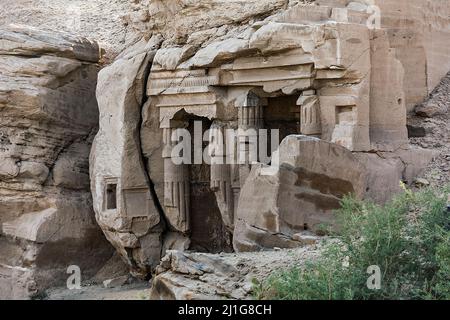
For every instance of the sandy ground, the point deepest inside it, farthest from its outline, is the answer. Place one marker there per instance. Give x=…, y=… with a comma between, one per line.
x=250, y=265
x=136, y=291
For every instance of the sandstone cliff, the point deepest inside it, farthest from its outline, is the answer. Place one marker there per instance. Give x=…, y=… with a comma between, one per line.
x=48, y=116
x=339, y=90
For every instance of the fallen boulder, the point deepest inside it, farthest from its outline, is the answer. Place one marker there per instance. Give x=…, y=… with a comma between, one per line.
x=312, y=178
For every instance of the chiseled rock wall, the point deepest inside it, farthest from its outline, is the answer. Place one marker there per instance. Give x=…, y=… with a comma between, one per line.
x=48, y=116
x=314, y=65
x=419, y=31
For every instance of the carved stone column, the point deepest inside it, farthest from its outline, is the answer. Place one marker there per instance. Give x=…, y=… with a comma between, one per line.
x=310, y=123
x=221, y=185
x=221, y=181
x=176, y=186
x=251, y=113
x=251, y=119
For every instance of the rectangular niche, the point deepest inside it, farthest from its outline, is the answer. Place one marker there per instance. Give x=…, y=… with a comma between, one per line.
x=346, y=121
x=110, y=198
x=137, y=202
x=346, y=115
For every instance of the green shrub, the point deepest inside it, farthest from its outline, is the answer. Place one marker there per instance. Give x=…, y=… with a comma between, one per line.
x=442, y=286
x=408, y=239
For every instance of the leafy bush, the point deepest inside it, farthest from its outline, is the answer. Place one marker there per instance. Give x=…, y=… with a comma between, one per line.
x=408, y=239
x=442, y=285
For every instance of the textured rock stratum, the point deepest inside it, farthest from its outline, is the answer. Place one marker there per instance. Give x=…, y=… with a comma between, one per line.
x=338, y=79
x=312, y=179
x=101, y=20
x=48, y=116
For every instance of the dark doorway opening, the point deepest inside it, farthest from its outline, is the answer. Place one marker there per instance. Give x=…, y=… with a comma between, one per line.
x=208, y=232
x=282, y=113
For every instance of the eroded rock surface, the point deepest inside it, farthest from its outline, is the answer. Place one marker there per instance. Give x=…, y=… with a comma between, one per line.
x=124, y=207
x=199, y=276
x=436, y=133
x=312, y=179
x=48, y=118
x=101, y=20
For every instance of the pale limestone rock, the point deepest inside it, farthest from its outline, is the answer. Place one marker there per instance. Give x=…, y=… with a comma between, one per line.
x=415, y=160
x=116, y=282
x=218, y=53
x=384, y=176
x=306, y=239
x=34, y=226
x=170, y=58
x=22, y=40
x=419, y=31
x=176, y=241
x=100, y=20
x=280, y=36
x=177, y=20
x=388, y=130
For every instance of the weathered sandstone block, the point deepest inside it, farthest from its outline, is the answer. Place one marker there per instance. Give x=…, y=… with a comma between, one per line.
x=313, y=177
x=121, y=190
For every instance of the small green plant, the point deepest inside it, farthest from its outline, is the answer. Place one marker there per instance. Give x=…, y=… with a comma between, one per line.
x=40, y=295
x=408, y=239
x=143, y=295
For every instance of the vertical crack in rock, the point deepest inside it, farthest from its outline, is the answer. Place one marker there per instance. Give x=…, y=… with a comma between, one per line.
x=142, y=159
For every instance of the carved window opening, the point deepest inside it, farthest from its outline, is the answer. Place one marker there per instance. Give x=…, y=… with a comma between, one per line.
x=346, y=123
x=346, y=115
x=111, y=196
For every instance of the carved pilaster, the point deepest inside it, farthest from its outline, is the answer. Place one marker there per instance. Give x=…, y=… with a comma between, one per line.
x=251, y=119
x=176, y=186
x=251, y=114
x=310, y=123
x=221, y=183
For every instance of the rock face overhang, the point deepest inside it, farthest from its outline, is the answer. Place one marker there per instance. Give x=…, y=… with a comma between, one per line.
x=48, y=115
x=346, y=87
